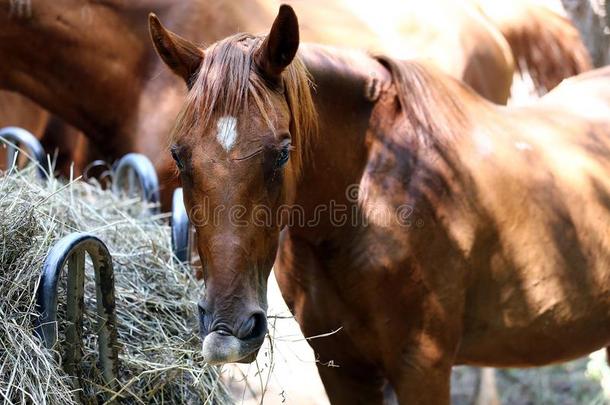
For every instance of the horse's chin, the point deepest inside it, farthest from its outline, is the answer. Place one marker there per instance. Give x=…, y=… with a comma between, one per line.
x=220, y=349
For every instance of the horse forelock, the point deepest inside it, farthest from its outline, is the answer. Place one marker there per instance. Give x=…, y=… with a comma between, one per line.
x=227, y=80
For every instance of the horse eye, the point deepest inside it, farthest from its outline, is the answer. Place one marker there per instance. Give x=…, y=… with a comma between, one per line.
x=176, y=159
x=282, y=157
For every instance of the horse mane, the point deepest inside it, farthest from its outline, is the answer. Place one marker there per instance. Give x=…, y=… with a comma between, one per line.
x=428, y=100
x=228, y=79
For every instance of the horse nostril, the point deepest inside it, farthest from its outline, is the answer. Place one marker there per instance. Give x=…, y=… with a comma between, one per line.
x=201, y=308
x=254, y=327
x=203, y=319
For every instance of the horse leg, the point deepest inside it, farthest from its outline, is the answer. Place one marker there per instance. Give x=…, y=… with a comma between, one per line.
x=423, y=385
x=352, y=386
x=62, y=139
x=347, y=377
x=420, y=369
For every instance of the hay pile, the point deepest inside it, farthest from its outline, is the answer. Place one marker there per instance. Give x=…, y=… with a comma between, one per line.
x=156, y=311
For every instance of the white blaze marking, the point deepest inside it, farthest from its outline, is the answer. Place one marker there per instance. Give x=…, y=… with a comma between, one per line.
x=227, y=132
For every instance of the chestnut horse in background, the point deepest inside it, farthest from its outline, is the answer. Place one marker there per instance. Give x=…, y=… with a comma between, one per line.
x=90, y=62
x=425, y=225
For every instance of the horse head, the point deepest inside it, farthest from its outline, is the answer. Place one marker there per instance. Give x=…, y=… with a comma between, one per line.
x=239, y=144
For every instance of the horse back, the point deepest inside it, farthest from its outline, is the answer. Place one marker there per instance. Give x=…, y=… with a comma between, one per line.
x=540, y=251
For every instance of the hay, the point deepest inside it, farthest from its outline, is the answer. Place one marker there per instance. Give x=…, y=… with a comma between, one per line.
x=159, y=347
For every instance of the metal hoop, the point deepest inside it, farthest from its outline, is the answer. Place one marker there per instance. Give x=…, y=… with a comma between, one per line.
x=181, y=228
x=15, y=136
x=137, y=167
x=71, y=250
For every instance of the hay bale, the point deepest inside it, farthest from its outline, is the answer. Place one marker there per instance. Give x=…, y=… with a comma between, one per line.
x=157, y=320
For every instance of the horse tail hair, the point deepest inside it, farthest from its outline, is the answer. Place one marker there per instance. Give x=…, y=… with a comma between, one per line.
x=544, y=44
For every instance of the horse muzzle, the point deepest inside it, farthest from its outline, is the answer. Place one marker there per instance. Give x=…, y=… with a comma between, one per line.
x=239, y=344
x=219, y=349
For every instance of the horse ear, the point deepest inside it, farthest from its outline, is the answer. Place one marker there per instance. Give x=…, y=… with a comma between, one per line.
x=180, y=55
x=280, y=46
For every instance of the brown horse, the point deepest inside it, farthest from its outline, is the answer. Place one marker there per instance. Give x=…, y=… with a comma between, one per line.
x=91, y=63
x=423, y=225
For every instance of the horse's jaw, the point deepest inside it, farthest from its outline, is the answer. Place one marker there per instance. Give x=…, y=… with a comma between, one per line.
x=219, y=348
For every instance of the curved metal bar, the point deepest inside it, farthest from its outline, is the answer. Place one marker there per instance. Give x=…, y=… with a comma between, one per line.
x=181, y=228
x=137, y=167
x=15, y=136
x=71, y=250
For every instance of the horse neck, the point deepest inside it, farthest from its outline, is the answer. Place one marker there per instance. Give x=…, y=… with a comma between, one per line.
x=338, y=154
x=373, y=111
